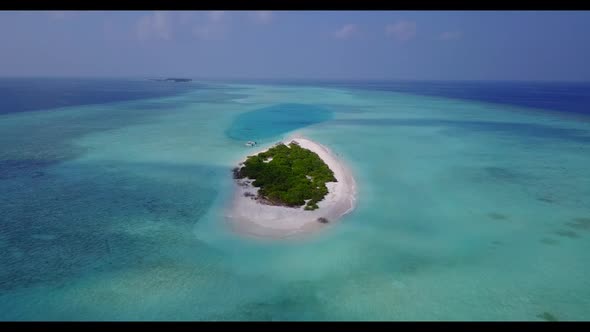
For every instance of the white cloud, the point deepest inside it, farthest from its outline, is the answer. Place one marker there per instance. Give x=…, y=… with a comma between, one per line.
x=402, y=30
x=262, y=16
x=156, y=25
x=450, y=35
x=346, y=31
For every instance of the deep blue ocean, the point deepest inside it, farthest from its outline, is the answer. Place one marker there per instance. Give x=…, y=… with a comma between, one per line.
x=569, y=97
x=563, y=97
x=30, y=94
x=26, y=94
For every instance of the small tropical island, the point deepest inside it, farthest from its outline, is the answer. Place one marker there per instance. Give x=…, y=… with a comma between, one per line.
x=289, y=189
x=288, y=175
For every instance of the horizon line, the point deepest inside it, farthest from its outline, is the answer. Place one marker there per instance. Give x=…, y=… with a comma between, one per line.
x=147, y=77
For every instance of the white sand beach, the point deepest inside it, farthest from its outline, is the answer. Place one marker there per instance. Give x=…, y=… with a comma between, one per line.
x=250, y=217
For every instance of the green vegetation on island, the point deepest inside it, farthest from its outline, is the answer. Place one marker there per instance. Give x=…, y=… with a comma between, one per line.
x=288, y=175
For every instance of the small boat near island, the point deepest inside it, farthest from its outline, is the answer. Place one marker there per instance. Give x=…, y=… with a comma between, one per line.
x=251, y=143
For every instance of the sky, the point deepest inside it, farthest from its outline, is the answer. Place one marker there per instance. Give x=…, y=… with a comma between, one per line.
x=421, y=45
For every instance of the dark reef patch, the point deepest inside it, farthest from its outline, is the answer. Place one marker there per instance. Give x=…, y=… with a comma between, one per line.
x=26, y=168
x=501, y=173
x=497, y=216
x=298, y=300
x=580, y=223
x=549, y=241
x=567, y=233
x=547, y=316
x=546, y=199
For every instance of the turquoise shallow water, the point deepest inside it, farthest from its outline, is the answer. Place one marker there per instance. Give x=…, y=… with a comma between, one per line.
x=466, y=211
x=270, y=122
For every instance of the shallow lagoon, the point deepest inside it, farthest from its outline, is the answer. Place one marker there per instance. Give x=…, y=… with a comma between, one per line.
x=466, y=210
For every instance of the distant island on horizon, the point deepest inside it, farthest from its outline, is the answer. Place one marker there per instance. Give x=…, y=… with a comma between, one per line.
x=172, y=79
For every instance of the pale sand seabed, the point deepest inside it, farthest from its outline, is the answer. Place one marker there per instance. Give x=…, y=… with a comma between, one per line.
x=249, y=217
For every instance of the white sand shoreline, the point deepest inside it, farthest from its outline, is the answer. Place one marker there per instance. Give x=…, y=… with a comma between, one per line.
x=249, y=217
